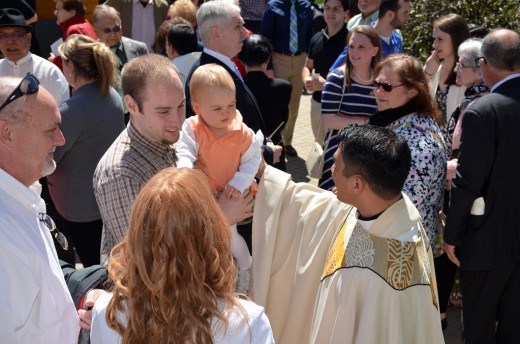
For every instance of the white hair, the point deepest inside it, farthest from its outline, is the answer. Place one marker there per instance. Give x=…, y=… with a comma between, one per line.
x=215, y=13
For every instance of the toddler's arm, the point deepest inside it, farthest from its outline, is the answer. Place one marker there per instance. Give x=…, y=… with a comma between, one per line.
x=187, y=148
x=249, y=163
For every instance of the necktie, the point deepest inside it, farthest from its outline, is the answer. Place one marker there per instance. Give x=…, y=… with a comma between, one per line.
x=293, y=29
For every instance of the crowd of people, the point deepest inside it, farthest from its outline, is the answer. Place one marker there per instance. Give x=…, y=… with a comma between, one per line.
x=152, y=145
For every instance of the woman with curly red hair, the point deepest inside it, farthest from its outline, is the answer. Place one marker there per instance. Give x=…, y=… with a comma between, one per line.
x=173, y=275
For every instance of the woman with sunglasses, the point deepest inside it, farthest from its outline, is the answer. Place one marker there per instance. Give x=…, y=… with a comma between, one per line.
x=173, y=274
x=347, y=96
x=406, y=107
x=448, y=33
x=91, y=120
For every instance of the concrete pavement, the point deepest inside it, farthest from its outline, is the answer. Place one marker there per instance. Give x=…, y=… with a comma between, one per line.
x=302, y=142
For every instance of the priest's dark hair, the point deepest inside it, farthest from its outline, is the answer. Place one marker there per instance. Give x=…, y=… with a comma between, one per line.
x=377, y=154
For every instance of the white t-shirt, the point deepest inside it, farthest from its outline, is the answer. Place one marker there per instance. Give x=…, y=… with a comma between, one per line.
x=255, y=330
x=35, y=303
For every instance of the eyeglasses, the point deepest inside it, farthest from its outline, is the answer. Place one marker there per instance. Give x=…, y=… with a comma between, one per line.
x=28, y=85
x=478, y=59
x=459, y=66
x=15, y=36
x=59, y=236
x=108, y=30
x=385, y=87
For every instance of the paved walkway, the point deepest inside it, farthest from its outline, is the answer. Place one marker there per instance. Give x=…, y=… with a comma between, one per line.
x=302, y=142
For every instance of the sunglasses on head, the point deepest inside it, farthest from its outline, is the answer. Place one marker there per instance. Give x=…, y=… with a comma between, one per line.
x=385, y=87
x=28, y=85
x=115, y=29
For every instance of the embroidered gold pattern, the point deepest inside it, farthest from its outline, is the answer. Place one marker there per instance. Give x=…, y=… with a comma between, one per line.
x=400, y=263
x=336, y=257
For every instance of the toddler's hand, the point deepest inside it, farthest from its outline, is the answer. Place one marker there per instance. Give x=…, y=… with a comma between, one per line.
x=232, y=193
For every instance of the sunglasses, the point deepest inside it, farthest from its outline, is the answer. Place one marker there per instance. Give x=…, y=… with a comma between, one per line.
x=479, y=59
x=28, y=85
x=385, y=87
x=108, y=30
x=59, y=236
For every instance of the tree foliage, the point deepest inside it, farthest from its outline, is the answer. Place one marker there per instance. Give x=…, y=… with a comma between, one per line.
x=417, y=33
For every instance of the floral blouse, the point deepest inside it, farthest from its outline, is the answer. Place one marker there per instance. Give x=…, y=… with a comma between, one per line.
x=426, y=179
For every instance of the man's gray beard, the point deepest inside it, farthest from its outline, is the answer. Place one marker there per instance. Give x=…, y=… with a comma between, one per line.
x=48, y=168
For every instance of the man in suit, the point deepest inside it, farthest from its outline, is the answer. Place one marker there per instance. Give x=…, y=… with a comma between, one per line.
x=290, y=40
x=141, y=19
x=272, y=94
x=483, y=225
x=107, y=25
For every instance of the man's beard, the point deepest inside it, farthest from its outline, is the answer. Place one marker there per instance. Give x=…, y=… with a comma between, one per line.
x=48, y=168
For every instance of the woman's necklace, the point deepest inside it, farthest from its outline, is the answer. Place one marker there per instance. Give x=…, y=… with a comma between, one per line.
x=364, y=80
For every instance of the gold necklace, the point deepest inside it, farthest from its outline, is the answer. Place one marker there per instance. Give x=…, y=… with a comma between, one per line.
x=360, y=78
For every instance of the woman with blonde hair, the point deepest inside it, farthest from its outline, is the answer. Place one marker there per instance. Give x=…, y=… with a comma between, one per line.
x=173, y=275
x=91, y=120
x=347, y=94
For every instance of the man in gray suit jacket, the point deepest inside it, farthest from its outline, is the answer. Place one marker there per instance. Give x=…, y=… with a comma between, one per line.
x=107, y=24
x=483, y=224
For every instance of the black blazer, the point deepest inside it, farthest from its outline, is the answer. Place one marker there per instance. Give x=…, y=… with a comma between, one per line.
x=272, y=96
x=489, y=167
x=246, y=102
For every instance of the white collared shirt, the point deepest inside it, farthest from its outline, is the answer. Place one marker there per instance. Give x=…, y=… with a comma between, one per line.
x=36, y=306
x=49, y=75
x=143, y=23
x=509, y=77
x=223, y=58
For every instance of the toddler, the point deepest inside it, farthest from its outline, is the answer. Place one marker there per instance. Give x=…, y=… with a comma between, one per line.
x=222, y=146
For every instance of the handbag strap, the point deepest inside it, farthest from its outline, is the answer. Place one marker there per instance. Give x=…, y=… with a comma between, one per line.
x=326, y=146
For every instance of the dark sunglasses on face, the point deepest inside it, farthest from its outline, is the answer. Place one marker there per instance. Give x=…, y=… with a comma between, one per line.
x=59, y=236
x=385, y=87
x=28, y=85
x=115, y=29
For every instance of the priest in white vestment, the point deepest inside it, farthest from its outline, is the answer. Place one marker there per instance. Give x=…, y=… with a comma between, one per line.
x=329, y=272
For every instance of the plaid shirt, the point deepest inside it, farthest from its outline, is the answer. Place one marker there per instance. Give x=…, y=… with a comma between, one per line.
x=252, y=9
x=121, y=173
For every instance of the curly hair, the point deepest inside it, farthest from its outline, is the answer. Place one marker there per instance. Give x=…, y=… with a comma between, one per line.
x=174, y=267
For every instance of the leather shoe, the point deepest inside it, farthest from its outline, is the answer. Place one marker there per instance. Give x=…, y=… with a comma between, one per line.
x=444, y=323
x=290, y=151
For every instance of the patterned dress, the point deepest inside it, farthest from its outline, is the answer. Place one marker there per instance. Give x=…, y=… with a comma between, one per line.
x=357, y=101
x=426, y=179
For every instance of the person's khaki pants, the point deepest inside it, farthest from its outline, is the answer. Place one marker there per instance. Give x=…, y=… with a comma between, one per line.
x=317, y=127
x=290, y=68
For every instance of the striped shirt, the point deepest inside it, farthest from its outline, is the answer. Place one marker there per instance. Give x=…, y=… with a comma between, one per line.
x=357, y=101
x=127, y=165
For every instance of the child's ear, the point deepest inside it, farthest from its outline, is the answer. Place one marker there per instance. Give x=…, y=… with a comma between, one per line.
x=195, y=106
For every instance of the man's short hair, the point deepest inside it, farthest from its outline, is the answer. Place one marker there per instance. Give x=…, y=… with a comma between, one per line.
x=377, y=154
x=389, y=5
x=138, y=72
x=101, y=11
x=256, y=50
x=74, y=5
x=183, y=39
x=214, y=13
x=501, y=52
x=344, y=3
x=13, y=113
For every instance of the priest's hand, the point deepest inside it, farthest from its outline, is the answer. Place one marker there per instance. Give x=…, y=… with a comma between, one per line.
x=236, y=210
x=450, y=252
